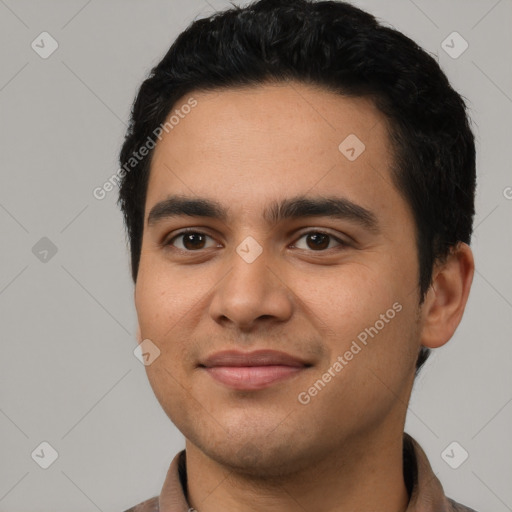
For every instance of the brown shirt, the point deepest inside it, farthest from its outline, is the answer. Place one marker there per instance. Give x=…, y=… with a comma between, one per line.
x=425, y=490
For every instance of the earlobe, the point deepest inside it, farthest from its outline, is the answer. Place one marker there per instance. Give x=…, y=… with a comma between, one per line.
x=447, y=297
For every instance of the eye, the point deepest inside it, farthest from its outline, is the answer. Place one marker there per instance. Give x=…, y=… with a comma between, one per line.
x=191, y=240
x=319, y=240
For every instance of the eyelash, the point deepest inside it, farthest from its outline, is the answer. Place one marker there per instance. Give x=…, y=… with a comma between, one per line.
x=169, y=241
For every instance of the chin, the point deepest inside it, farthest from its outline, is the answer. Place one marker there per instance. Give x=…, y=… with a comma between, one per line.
x=257, y=457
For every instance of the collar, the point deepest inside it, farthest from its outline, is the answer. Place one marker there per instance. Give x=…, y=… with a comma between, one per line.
x=425, y=490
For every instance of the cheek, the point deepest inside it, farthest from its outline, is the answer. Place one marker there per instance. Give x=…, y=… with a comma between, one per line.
x=347, y=297
x=166, y=297
x=162, y=305
x=170, y=306
x=173, y=391
x=366, y=310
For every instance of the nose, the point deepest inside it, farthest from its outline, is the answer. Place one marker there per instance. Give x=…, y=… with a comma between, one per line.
x=252, y=293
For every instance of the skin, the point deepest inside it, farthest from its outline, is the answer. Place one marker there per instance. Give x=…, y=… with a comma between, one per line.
x=263, y=450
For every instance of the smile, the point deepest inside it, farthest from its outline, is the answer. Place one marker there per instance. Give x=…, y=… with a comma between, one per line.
x=252, y=377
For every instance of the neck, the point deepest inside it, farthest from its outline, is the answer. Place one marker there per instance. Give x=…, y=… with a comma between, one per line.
x=360, y=475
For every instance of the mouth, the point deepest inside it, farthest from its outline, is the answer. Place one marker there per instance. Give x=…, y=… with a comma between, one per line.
x=252, y=370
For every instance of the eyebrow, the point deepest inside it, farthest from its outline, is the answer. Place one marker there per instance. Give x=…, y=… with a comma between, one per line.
x=290, y=208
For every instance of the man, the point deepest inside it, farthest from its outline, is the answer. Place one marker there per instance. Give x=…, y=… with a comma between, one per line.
x=298, y=189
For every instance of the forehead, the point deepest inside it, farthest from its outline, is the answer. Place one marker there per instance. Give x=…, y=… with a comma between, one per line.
x=247, y=146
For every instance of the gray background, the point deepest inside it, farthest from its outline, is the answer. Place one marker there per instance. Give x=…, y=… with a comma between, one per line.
x=67, y=369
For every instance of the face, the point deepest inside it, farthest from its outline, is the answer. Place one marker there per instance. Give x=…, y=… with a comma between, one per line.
x=334, y=286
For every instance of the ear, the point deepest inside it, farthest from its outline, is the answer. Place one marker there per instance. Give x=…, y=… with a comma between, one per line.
x=446, y=298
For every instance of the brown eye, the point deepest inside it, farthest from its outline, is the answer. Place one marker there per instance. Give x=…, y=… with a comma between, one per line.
x=319, y=241
x=191, y=240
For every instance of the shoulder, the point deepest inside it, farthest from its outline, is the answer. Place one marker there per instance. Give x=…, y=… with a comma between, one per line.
x=150, y=505
x=457, y=507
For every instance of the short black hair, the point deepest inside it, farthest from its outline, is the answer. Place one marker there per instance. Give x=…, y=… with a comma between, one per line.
x=343, y=49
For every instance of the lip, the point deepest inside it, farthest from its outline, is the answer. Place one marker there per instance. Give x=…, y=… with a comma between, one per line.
x=252, y=370
x=254, y=358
